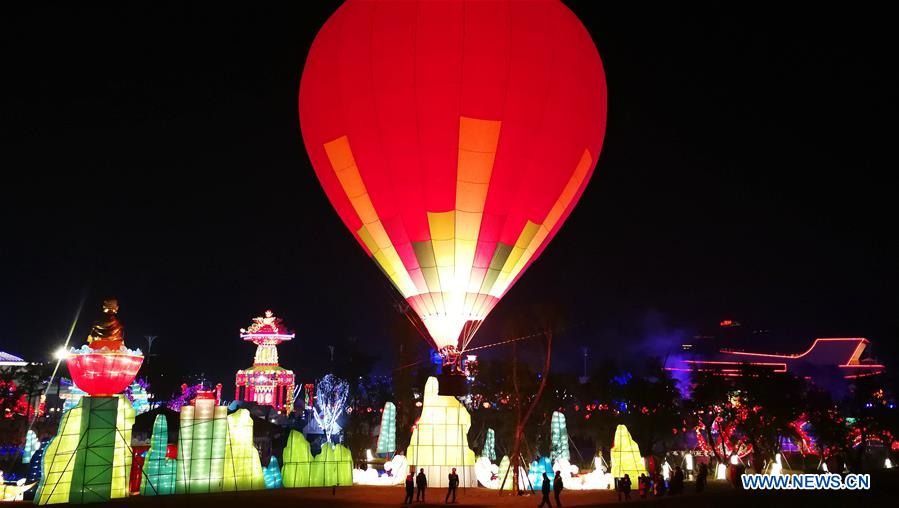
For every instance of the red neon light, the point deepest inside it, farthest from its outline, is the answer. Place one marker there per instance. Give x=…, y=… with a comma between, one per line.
x=866, y=374
x=765, y=364
x=862, y=340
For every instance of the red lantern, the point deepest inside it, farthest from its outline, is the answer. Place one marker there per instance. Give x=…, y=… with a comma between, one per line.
x=103, y=374
x=453, y=138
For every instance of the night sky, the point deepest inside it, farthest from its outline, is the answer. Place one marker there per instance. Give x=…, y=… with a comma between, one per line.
x=153, y=154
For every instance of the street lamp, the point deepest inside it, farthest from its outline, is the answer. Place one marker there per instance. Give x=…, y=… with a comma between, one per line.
x=61, y=354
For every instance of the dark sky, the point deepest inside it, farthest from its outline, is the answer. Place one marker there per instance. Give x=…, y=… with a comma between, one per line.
x=153, y=154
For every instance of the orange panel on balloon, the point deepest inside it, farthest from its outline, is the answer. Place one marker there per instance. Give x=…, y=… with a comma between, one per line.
x=453, y=139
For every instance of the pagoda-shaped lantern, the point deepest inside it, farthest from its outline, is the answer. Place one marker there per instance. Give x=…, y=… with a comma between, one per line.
x=266, y=383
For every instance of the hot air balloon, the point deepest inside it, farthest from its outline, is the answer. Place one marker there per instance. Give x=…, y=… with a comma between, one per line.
x=453, y=139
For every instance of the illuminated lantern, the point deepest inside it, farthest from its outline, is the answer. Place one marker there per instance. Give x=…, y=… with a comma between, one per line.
x=721, y=472
x=440, y=439
x=243, y=469
x=34, y=469
x=626, y=458
x=333, y=466
x=273, y=474
x=453, y=139
x=559, y=434
x=104, y=373
x=32, y=443
x=202, y=440
x=266, y=382
x=14, y=491
x=89, y=460
x=297, y=469
x=387, y=436
x=490, y=445
x=504, y=479
x=538, y=467
x=158, y=478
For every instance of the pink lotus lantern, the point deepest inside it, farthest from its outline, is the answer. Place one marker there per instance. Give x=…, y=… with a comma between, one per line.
x=104, y=373
x=105, y=366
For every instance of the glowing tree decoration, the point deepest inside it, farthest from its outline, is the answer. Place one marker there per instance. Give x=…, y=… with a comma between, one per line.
x=387, y=436
x=626, y=458
x=330, y=401
x=559, y=438
x=158, y=478
x=273, y=474
x=440, y=439
x=489, y=450
x=453, y=139
x=266, y=383
x=32, y=443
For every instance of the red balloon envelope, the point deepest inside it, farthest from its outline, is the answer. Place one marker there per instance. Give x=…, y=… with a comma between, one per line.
x=453, y=138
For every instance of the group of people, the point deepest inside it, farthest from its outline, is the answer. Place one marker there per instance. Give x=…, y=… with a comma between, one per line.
x=419, y=484
x=556, y=485
x=654, y=485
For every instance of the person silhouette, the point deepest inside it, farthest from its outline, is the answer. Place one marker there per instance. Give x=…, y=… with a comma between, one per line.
x=410, y=488
x=626, y=486
x=453, y=484
x=557, y=487
x=421, y=481
x=546, y=488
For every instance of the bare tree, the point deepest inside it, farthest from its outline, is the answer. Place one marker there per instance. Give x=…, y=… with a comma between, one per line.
x=522, y=419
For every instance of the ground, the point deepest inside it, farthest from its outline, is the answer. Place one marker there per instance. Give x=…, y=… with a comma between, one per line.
x=885, y=487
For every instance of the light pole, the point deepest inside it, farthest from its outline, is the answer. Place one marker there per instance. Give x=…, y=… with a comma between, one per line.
x=150, y=339
x=585, y=378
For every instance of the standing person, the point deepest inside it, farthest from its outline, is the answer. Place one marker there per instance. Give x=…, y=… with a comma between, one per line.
x=545, y=499
x=421, y=482
x=410, y=488
x=662, y=485
x=701, y=477
x=453, y=484
x=642, y=485
x=626, y=487
x=557, y=487
x=677, y=484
